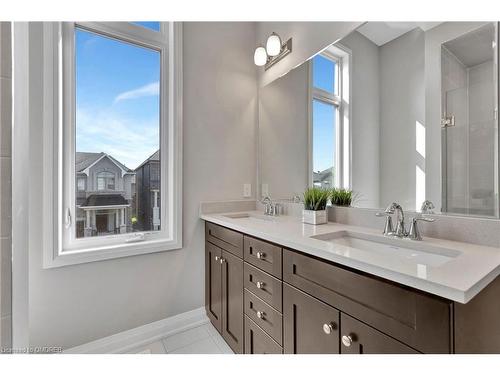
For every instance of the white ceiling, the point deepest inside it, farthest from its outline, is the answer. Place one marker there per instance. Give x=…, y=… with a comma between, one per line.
x=475, y=47
x=382, y=32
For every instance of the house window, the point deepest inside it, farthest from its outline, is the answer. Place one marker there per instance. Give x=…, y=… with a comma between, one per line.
x=119, y=95
x=329, y=127
x=105, y=181
x=81, y=184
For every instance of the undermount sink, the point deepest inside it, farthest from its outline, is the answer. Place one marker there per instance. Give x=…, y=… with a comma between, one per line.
x=246, y=215
x=395, y=248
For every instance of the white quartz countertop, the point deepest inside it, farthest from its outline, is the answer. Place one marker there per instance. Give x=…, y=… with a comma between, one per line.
x=459, y=279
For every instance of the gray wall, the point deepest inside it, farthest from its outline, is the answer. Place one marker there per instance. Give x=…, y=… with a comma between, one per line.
x=5, y=186
x=365, y=119
x=402, y=104
x=76, y=304
x=283, y=133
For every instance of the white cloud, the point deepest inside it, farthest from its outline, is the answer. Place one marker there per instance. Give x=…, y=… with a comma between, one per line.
x=130, y=142
x=151, y=89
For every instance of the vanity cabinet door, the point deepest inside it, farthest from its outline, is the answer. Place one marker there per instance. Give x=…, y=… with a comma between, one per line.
x=257, y=341
x=232, y=301
x=213, y=284
x=309, y=325
x=358, y=338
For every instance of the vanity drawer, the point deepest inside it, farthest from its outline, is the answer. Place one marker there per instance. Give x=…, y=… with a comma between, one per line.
x=263, y=285
x=417, y=319
x=263, y=255
x=259, y=342
x=267, y=318
x=224, y=238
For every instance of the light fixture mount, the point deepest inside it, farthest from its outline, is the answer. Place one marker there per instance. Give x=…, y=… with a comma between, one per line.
x=286, y=48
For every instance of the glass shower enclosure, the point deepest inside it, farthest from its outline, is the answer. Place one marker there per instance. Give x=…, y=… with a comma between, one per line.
x=469, y=123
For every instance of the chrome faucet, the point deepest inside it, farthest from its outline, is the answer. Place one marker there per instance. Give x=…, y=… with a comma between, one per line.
x=270, y=208
x=400, y=231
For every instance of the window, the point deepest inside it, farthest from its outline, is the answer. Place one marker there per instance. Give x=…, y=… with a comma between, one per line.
x=105, y=181
x=149, y=25
x=119, y=95
x=329, y=108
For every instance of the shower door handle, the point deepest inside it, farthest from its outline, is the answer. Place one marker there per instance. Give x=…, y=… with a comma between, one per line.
x=448, y=121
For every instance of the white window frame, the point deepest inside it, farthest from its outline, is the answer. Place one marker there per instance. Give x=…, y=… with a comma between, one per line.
x=61, y=247
x=340, y=100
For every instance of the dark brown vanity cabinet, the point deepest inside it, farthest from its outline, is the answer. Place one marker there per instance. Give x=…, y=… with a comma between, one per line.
x=267, y=299
x=359, y=338
x=213, y=285
x=257, y=341
x=309, y=325
x=224, y=287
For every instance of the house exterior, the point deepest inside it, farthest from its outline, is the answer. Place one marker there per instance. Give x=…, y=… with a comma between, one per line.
x=148, y=193
x=105, y=193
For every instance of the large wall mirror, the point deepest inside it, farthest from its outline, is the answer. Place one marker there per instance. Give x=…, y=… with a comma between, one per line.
x=395, y=111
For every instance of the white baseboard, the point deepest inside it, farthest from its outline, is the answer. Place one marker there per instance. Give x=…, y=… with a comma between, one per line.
x=143, y=335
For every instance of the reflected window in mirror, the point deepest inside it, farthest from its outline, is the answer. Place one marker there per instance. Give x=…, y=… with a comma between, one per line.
x=329, y=86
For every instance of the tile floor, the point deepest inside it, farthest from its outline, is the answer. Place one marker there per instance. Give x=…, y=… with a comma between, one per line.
x=203, y=339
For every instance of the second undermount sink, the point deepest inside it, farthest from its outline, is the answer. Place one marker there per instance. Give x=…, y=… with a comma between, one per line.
x=395, y=248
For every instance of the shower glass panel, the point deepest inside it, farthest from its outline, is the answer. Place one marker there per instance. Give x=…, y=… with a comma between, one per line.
x=469, y=123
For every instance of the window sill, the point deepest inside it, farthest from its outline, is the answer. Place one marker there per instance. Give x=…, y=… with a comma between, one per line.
x=68, y=257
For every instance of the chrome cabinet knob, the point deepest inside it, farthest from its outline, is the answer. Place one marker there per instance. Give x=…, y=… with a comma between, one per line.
x=222, y=260
x=260, y=314
x=217, y=258
x=347, y=340
x=260, y=255
x=328, y=328
x=260, y=284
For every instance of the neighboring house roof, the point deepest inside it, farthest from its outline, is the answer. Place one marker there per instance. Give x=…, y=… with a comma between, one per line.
x=105, y=200
x=154, y=157
x=85, y=160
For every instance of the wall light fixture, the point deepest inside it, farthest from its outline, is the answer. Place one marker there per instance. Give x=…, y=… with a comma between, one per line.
x=275, y=50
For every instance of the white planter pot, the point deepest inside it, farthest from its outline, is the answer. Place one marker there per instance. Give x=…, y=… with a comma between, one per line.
x=314, y=217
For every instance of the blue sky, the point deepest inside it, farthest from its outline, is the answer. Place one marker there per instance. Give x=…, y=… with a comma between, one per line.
x=323, y=116
x=117, y=98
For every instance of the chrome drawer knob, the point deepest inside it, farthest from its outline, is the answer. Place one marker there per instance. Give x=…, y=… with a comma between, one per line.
x=260, y=255
x=328, y=328
x=260, y=284
x=260, y=314
x=347, y=340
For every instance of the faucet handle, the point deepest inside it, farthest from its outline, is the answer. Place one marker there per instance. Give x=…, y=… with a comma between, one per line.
x=388, y=229
x=423, y=218
x=427, y=207
x=414, y=233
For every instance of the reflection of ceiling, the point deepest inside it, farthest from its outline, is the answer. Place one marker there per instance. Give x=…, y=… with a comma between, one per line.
x=382, y=32
x=474, y=47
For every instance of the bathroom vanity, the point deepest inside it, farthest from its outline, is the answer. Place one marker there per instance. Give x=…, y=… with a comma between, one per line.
x=269, y=297
x=408, y=118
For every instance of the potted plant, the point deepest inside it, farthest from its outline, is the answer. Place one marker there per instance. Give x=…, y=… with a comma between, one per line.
x=315, y=200
x=341, y=197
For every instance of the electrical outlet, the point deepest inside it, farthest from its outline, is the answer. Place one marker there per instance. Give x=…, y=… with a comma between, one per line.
x=247, y=190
